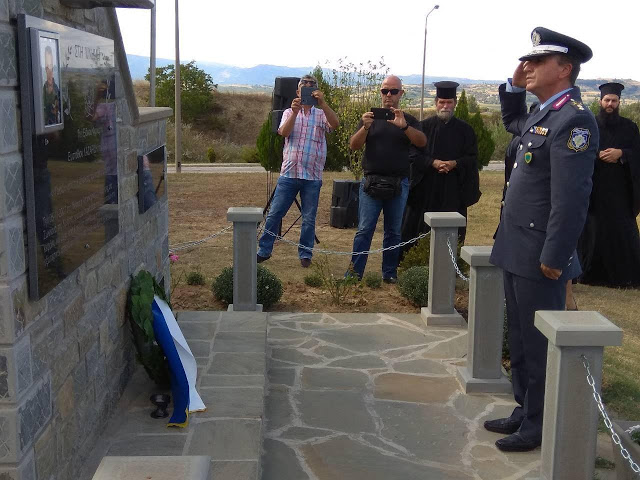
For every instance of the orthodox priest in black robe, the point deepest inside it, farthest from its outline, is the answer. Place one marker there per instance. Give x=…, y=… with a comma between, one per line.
x=444, y=174
x=609, y=248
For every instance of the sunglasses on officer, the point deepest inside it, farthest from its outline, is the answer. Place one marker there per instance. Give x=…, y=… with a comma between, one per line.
x=393, y=91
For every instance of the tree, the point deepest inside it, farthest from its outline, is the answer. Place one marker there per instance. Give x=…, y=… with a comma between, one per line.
x=462, y=108
x=595, y=106
x=473, y=105
x=269, y=145
x=197, y=85
x=486, y=145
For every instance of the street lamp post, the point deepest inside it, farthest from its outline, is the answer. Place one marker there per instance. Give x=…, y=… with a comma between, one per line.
x=424, y=58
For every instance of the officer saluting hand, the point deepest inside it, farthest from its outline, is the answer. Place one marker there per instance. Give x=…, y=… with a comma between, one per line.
x=545, y=208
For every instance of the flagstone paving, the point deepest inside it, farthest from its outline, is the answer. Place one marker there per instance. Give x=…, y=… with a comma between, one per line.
x=375, y=396
x=348, y=397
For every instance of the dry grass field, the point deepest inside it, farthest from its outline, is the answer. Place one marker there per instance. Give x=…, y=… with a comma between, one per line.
x=198, y=206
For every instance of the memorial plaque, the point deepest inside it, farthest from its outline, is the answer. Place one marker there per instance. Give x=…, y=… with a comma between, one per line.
x=71, y=174
x=151, y=178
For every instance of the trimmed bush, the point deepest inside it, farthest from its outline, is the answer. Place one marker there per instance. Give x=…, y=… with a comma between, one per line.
x=372, y=280
x=313, y=280
x=195, y=278
x=417, y=255
x=414, y=285
x=268, y=284
x=211, y=155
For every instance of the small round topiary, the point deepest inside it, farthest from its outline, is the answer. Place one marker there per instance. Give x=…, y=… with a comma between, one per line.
x=268, y=284
x=414, y=285
x=313, y=280
x=372, y=280
x=269, y=287
x=195, y=278
x=223, y=285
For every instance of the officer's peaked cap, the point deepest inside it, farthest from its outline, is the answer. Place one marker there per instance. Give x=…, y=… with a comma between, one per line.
x=547, y=42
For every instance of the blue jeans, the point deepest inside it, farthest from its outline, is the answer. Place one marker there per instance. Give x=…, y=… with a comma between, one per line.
x=285, y=194
x=368, y=212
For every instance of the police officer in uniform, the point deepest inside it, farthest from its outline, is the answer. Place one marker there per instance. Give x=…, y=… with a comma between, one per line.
x=544, y=212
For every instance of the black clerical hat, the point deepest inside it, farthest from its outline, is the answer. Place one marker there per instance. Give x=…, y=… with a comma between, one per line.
x=611, y=87
x=446, y=89
x=548, y=42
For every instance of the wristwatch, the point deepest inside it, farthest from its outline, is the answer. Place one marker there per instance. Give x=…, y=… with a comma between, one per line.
x=405, y=127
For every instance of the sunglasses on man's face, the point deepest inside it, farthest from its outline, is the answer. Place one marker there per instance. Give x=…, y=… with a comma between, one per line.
x=385, y=91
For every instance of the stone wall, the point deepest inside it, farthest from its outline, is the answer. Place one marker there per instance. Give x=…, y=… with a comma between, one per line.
x=65, y=359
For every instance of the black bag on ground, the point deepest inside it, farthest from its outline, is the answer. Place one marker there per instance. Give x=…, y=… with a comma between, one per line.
x=382, y=187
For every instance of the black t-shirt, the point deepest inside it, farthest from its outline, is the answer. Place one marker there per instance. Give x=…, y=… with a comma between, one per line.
x=386, y=150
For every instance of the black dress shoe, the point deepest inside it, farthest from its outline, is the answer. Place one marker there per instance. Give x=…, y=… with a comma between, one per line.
x=391, y=280
x=503, y=425
x=516, y=443
x=261, y=259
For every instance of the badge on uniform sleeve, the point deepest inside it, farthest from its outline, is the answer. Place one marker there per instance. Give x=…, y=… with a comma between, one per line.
x=528, y=157
x=579, y=139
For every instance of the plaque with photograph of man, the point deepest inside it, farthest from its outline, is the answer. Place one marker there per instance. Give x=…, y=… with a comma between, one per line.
x=47, y=99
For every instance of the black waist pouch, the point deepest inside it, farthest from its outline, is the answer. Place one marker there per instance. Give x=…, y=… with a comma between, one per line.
x=382, y=187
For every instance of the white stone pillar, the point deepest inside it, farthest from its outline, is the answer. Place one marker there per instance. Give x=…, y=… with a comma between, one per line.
x=245, y=228
x=570, y=411
x=442, y=275
x=483, y=371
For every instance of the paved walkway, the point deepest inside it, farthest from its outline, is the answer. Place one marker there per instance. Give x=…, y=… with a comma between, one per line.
x=374, y=396
x=348, y=397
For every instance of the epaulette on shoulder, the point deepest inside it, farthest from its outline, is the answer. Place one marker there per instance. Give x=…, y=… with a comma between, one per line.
x=577, y=105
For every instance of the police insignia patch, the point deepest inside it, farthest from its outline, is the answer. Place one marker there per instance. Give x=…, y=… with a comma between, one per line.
x=528, y=157
x=535, y=38
x=579, y=139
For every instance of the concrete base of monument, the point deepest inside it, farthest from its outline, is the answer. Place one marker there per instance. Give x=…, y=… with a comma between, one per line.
x=158, y=468
x=442, y=319
x=258, y=308
x=482, y=385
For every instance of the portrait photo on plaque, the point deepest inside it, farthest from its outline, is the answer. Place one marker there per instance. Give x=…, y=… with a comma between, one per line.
x=151, y=178
x=47, y=97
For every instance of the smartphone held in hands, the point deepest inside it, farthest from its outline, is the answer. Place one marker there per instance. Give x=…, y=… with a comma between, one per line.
x=306, y=97
x=383, y=114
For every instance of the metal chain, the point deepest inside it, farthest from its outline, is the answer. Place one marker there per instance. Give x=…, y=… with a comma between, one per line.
x=187, y=245
x=453, y=260
x=332, y=252
x=607, y=421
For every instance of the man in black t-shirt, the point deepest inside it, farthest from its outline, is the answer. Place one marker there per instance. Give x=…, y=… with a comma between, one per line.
x=386, y=170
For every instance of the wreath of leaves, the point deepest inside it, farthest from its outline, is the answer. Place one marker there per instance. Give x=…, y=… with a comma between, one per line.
x=149, y=353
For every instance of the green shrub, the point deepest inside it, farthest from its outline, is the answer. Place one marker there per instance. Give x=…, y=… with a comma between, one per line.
x=268, y=284
x=340, y=288
x=418, y=255
x=635, y=436
x=211, y=155
x=414, y=285
x=313, y=280
x=373, y=280
x=249, y=154
x=195, y=278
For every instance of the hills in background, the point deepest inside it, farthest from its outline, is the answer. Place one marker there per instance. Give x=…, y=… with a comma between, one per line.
x=260, y=78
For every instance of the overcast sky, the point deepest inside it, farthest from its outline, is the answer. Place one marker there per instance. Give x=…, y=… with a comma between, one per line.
x=466, y=38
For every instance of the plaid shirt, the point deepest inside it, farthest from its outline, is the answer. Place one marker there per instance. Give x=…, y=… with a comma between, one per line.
x=305, y=149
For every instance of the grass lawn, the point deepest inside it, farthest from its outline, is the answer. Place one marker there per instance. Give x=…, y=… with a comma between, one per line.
x=198, y=206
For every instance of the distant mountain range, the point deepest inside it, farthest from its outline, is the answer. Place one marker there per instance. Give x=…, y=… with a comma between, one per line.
x=264, y=75
x=261, y=74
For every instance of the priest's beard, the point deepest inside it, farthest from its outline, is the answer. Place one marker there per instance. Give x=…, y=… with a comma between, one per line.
x=445, y=115
x=606, y=119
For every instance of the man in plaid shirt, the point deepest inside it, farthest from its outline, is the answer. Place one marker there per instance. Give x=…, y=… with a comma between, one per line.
x=303, y=159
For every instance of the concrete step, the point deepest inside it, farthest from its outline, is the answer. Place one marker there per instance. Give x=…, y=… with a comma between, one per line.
x=154, y=468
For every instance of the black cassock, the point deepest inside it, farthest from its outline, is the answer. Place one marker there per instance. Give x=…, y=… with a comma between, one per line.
x=430, y=191
x=609, y=248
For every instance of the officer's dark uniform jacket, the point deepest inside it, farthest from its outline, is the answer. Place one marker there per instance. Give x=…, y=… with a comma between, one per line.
x=548, y=192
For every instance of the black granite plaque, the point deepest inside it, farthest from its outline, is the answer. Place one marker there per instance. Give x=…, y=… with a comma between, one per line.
x=71, y=174
x=151, y=178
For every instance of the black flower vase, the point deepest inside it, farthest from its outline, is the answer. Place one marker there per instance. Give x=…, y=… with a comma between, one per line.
x=161, y=401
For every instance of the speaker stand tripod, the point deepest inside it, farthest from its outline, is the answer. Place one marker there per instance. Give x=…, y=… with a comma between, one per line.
x=266, y=210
